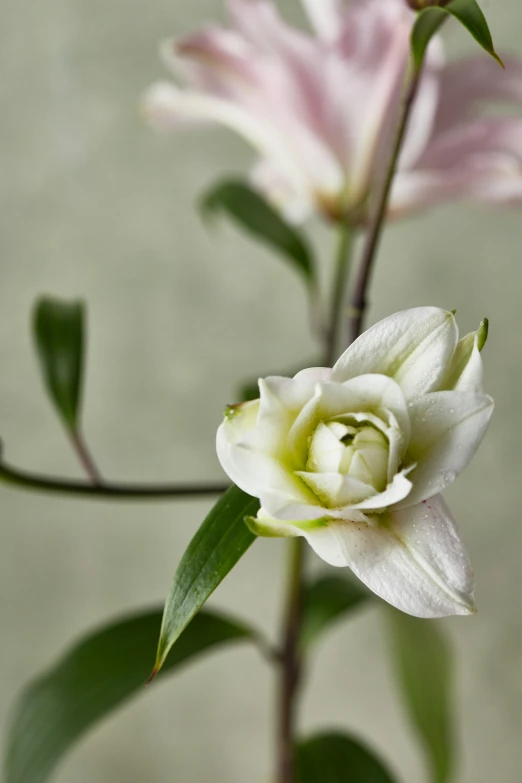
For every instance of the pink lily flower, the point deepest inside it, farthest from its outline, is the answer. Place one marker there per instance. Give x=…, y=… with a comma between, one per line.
x=320, y=108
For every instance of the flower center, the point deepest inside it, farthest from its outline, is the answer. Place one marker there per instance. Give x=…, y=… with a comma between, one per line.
x=354, y=449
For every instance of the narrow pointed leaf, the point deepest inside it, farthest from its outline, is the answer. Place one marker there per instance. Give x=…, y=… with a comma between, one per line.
x=254, y=214
x=338, y=758
x=467, y=12
x=423, y=664
x=222, y=540
x=94, y=678
x=59, y=337
x=326, y=601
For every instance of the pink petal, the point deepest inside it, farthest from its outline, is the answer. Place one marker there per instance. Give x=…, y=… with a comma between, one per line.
x=481, y=160
x=466, y=84
x=325, y=16
x=215, y=59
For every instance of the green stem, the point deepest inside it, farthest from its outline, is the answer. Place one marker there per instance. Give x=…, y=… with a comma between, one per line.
x=290, y=662
x=290, y=659
x=106, y=491
x=338, y=292
x=358, y=302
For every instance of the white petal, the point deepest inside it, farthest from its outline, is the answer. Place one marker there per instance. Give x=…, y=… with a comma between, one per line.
x=465, y=372
x=366, y=398
x=396, y=491
x=416, y=561
x=372, y=393
x=295, y=392
x=264, y=525
x=281, y=508
x=447, y=429
x=335, y=490
x=472, y=376
x=325, y=450
x=251, y=469
x=413, y=347
x=302, y=524
x=269, y=436
x=325, y=485
x=397, y=446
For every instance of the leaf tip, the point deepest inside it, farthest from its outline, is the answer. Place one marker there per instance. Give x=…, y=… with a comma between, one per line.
x=154, y=673
x=498, y=59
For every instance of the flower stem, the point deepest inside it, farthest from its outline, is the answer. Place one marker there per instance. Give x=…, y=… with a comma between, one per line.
x=106, y=490
x=358, y=301
x=338, y=292
x=289, y=658
x=290, y=662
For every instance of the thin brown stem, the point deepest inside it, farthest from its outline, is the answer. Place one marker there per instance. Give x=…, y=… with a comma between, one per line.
x=358, y=301
x=85, y=457
x=290, y=663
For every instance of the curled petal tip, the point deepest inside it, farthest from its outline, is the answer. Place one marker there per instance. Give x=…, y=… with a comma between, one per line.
x=482, y=335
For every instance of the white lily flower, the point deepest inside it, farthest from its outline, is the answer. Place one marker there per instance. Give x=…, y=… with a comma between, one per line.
x=354, y=458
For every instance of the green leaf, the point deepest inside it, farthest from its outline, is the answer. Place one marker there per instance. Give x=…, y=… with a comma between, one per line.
x=59, y=336
x=324, y=602
x=467, y=12
x=338, y=758
x=222, y=539
x=95, y=677
x=253, y=213
x=423, y=664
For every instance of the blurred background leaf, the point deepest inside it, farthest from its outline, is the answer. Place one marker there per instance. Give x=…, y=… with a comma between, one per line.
x=325, y=601
x=423, y=665
x=59, y=337
x=254, y=214
x=95, y=677
x=336, y=758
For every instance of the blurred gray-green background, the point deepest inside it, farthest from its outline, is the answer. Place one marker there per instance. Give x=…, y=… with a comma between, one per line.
x=94, y=204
